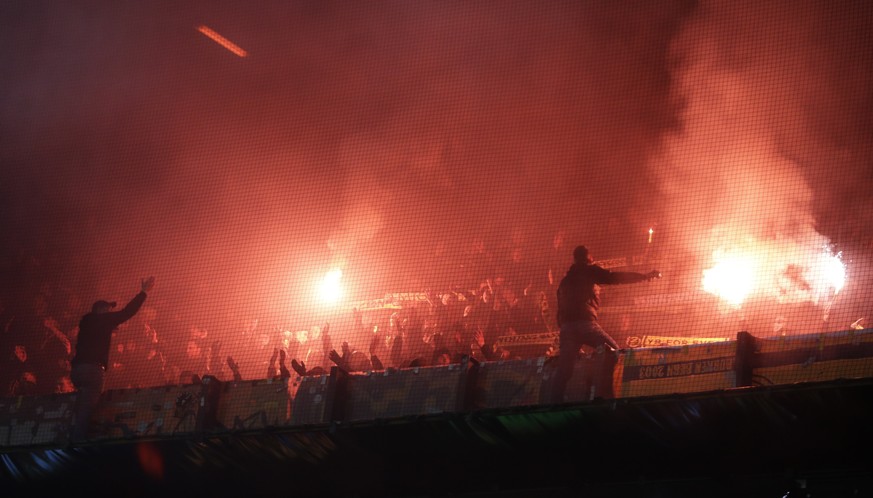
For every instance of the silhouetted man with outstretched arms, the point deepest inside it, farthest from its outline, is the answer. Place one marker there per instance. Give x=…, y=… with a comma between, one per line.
x=578, y=306
x=92, y=354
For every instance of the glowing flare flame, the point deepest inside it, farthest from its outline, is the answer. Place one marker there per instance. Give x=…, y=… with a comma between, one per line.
x=331, y=289
x=787, y=277
x=732, y=278
x=831, y=272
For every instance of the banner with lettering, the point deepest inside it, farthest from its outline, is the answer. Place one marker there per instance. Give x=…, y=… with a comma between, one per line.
x=813, y=357
x=545, y=338
x=660, y=341
x=685, y=369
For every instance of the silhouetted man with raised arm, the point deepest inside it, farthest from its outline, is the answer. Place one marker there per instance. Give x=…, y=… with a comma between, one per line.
x=578, y=307
x=92, y=354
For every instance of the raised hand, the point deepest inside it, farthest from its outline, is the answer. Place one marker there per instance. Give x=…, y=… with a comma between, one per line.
x=397, y=321
x=300, y=368
x=376, y=362
x=234, y=368
x=325, y=338
x=480, y=337
x=335, y=357
x=147, y=284
x=374, y=343
x=283, y=370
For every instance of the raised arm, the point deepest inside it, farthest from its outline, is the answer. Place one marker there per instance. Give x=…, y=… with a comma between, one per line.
x=136, y=303
x=626, y=277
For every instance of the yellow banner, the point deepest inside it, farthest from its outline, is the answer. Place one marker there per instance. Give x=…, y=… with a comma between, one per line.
x=612, y=263
x=658, y=341
x=528, y=339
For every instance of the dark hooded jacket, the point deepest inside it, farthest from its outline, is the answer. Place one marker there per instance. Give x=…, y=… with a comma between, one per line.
x=579, y=291
x=95, y=332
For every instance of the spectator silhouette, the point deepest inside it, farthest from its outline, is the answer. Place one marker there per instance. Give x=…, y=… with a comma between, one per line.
x=92, y=355
x=578, y=307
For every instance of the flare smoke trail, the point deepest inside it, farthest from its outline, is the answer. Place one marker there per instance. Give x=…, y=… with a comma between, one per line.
x=772, y=95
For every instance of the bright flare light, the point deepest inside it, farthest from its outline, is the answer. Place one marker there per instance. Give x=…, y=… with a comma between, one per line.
x=828, y=274
x=787, y=274
x=331, y=290
x=732, y=279
x=817, y=278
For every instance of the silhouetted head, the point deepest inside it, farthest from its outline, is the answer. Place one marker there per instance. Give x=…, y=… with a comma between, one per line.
x=359, y=362
x=442, y=357
x=317, y=371
x=581, y=256
x=102, y=306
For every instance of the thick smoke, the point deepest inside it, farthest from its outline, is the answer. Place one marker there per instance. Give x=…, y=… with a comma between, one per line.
x=382, y=139
x=396, y=140
x=770, y=94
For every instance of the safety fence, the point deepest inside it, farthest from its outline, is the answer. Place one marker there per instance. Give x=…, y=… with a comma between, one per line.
x=215, y=408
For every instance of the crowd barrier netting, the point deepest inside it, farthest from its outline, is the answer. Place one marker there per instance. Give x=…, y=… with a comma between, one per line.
x=675, y=370
x=213, y=407
x=404, y=392
x=528, y=382
x=253, y=404
x=36, y=420
x=813, y=357
x=180, y=410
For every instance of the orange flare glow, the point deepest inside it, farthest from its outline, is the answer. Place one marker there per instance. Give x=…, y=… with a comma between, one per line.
x=732, y=278
x=787, y=274
x=331, y=290
x=830, y=272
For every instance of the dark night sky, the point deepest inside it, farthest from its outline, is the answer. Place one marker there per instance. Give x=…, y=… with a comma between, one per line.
x=386, y=137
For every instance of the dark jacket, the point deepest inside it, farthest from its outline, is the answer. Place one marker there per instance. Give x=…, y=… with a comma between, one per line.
x=95, y=332
x=579, y=291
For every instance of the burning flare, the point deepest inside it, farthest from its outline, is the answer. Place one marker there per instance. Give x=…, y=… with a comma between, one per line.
x=331, y=289
x=787, y=275
x=732, y=278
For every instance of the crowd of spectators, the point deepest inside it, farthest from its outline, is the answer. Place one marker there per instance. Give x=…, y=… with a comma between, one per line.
x=498, y=297
x=501, y=298
x=503, y=291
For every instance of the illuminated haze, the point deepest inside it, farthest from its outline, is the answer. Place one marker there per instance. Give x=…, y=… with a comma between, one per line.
x=384, y=139
x=771, y=160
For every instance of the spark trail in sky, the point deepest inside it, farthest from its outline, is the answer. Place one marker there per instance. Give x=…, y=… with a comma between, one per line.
x=224, y=42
